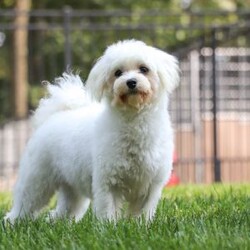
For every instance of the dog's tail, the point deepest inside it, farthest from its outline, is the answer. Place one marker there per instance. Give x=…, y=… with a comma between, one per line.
x=67, y=92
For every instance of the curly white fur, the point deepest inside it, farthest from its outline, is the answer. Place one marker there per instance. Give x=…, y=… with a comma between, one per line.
x=116, y=150
x=67, y=93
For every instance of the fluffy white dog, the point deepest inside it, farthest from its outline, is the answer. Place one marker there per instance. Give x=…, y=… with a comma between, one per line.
x=110, y=141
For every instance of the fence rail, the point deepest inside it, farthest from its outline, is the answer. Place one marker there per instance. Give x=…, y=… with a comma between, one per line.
x=210, y=109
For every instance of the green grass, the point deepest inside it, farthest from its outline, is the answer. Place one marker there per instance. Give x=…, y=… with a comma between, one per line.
x=188, y=217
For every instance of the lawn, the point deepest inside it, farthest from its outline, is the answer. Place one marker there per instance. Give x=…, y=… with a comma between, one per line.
x=188, y=217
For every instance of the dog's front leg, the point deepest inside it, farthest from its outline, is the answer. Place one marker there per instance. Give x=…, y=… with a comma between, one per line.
x=105, y=206
x=147, y=206
x=150, y=204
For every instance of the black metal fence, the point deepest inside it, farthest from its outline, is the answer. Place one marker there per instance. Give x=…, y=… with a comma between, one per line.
x=210, y=109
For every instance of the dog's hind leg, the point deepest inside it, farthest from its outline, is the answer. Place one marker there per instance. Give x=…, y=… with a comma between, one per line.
x=30, y=195
x=69, y=204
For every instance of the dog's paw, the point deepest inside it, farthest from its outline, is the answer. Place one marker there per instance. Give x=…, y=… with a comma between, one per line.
x=9, y=219
x=52, y=216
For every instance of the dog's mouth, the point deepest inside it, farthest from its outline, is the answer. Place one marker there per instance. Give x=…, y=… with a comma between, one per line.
x=135, y=98
x=132, y=92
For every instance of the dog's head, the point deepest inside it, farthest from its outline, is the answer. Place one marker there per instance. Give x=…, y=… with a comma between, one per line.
x=133, y=74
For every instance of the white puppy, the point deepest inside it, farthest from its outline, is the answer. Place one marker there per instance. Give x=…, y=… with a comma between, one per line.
x=113, y=148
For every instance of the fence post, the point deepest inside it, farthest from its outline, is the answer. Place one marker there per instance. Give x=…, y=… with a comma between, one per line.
x=196, y=113
x=67, y=13
x=216, y=160
x=19, y=100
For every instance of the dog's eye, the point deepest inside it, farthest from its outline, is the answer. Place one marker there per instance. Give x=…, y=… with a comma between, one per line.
x=118, y=73
x=143, y=69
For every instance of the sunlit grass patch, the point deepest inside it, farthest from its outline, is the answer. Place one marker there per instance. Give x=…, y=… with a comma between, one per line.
x=188, y=217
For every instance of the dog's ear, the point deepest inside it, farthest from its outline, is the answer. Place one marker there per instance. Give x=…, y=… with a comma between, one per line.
x=97, y=79
x=168, y=70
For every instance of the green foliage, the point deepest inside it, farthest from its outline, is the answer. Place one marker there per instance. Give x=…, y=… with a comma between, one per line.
x=4, y=96
x=102, y=4
x=7, y=3
x=35, y=94
x=139, y=5
x=89, y=34
x=188, y=217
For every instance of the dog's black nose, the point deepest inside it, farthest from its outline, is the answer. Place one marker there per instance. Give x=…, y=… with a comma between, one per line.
x=131, y=83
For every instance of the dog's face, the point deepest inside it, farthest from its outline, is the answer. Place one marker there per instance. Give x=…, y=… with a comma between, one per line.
x=131, y=74
x=132, y=84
